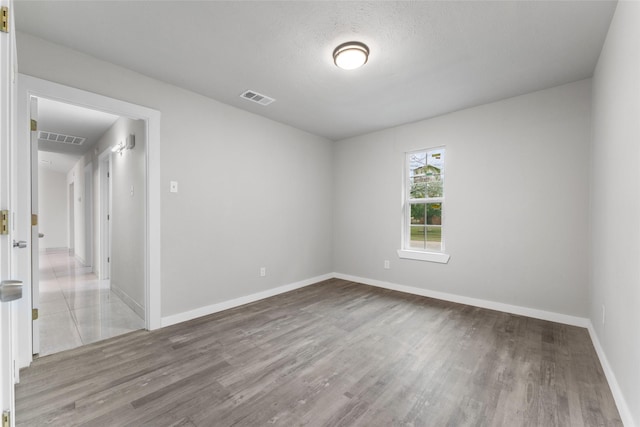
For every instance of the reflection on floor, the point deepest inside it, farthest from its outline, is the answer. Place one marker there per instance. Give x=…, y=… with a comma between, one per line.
x=76, y=308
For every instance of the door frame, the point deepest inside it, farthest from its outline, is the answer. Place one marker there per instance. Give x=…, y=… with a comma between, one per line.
x=87, y=197
x=29, y=86
x=104, y=251
x=8, y=182
x=71, y=218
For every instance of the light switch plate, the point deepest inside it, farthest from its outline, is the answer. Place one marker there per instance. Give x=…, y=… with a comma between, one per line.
x=173, y=186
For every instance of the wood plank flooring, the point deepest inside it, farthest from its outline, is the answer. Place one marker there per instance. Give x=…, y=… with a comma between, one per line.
x=333, y=354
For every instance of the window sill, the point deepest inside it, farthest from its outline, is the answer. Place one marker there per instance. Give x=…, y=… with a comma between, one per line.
x=424, y=256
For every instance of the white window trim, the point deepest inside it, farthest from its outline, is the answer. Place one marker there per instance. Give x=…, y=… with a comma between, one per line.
x=439, y=257
x=414, y=254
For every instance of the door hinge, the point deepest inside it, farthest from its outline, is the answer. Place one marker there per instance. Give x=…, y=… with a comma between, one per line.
x=4, y=222
x=6, y=419
x=34, y=125
x=4, y=25
x=34, y=219
x=34, y=314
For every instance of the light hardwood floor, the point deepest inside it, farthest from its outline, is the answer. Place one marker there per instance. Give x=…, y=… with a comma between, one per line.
x=336, y=354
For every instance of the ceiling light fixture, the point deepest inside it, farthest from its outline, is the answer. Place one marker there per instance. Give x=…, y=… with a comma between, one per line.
x=351, y=55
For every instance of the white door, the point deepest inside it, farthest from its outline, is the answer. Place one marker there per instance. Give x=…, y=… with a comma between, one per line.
x=35, y=234
x=8, y=109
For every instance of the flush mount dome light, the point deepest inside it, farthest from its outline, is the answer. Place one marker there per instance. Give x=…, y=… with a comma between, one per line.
x=351, y=55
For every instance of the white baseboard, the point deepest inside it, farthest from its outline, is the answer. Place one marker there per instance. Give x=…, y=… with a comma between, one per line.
x=133, y=304
x=81, y=260
x=621, y=403
x=225, y=305
x=623, y=408
x=491, y=305
x=476, y=302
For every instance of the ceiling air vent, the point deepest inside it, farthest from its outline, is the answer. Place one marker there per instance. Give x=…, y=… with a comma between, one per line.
x=58, y=137
x=256, y=97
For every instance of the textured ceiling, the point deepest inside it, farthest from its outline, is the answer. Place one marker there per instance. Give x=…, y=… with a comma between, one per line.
x=427, y=58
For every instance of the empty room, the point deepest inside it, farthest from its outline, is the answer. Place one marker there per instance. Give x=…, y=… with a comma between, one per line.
x=344, y=213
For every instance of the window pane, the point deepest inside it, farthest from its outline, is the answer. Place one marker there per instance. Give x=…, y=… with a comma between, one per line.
x=418, y=237
x=418, y=189
x=434, y=187
x=434, y=238
x=435, y=173
x=426, y=237
x=417, y=177
x=418, y=213
x=417, y=161
x=426, y=213
x=426, y=174
x=436, y=158
x=434, y=213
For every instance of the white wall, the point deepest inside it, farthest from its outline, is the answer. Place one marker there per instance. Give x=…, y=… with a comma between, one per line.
x=52, y=208
x=252, y=192
x=517, y=195
x=127, y=210
x=76, y=177
x=615, y=202
x=516, y=186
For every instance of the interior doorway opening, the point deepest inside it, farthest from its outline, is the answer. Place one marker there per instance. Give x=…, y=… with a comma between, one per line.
x=29, y=87
x=81, y=295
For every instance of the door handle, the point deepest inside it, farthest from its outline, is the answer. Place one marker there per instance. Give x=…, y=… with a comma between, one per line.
x=40, y=235
x=21, y=244
x=10, y=290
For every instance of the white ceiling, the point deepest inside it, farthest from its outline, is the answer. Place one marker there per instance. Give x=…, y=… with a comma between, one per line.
x=67, y=119
x=427, y=58
x=57, y=162
x=72, y=120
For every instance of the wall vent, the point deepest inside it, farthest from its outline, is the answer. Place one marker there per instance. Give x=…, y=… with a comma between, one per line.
x=256, y=97
x=63, y=139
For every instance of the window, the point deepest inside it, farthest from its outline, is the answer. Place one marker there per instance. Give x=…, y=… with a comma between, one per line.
x=424, y=206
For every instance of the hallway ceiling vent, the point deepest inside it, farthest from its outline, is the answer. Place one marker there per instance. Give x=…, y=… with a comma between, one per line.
x=256, y=97
x=63, y=139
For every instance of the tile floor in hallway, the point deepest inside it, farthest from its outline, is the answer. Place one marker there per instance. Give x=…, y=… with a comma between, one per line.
x=76, y=308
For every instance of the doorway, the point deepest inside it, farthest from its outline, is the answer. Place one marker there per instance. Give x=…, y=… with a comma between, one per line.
x=81, y=298
x=31, y=86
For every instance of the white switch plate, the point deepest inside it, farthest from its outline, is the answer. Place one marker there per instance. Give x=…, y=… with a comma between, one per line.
x=386, y=264
x=263, y=271
x=173, y=186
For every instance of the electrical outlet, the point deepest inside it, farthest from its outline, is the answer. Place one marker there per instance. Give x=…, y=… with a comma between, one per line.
x=263, y=271
x=603, y=314
x=387, y=265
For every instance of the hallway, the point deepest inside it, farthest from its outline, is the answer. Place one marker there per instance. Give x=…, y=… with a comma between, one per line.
x=76, y=308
